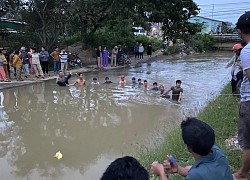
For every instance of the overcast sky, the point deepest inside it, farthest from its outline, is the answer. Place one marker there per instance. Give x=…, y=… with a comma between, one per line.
x=224, y=10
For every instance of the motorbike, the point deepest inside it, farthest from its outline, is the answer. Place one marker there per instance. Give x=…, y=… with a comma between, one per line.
x=124, y=59
x=74, y=60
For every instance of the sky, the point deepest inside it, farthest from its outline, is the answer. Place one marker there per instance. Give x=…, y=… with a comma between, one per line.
x=223, y=10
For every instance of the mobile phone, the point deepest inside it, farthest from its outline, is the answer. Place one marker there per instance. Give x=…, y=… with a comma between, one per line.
x=171, y=159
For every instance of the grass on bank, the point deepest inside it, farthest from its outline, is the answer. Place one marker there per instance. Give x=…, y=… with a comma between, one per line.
x=221, y=114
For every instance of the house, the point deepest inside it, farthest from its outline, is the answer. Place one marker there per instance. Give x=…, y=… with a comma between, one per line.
x=8, y=26
x=208, y=25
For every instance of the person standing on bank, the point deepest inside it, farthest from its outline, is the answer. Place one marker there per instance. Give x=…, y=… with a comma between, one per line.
x=36, y=63
x=99, y=57
x=17, y=63
x=243, y=28
x=105, y=54
x=236, y=72
x=44, y=57
x=136, y=50
x=25, y=61
x=141, y=50
x=114, y=56
x=56, y=59
x=64, y=60
x=149, y=49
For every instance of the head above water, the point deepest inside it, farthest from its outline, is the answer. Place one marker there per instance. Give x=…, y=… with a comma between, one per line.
x=161, y=87
x=198, y=136
x=61, y=74
x=80, y=75
x=125, y=168
x=139, y=80
x=94, y=79
x=122, y=77
x=106, y=78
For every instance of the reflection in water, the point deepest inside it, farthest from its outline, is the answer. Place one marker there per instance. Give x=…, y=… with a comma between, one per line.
x=93, y=125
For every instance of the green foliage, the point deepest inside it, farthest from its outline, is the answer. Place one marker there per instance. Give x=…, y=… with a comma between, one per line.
x=175, y=49
x=202, y=42
x=221, y=114
x=69, y=40
x=173, y=14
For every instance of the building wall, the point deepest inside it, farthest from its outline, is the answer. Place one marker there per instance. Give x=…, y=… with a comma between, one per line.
x=208, y=24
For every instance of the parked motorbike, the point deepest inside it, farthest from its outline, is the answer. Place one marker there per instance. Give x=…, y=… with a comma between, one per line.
x=74, y=60
x=124, y=59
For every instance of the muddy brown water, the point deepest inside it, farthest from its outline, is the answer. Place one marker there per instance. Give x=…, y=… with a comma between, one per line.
x=92, y=126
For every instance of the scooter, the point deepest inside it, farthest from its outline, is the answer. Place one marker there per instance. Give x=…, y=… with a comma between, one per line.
x=124, y=59
x=75, y=61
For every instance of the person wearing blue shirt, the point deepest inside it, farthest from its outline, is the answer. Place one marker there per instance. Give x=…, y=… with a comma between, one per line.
x=210, y=161
x=155, y=87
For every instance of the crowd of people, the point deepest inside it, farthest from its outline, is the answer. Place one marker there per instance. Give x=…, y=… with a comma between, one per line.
x=119, y=56
x=23, y=62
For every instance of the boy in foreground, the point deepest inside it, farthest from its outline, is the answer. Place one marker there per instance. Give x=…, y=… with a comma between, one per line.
x=210, y=162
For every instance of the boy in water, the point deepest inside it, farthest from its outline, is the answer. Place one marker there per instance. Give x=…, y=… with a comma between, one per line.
x=122, y=80
x=62, y=80
x=176, y=92
x=155, y=87
x=134, y=81
x=139, y=82
x=95, y=82
x=146, y=85
x=107, y=81
x=80, y=81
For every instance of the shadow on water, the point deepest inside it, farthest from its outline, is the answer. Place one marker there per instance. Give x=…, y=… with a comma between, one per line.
x=93, y=125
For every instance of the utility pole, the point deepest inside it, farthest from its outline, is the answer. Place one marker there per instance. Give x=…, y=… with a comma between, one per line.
x=213, y=12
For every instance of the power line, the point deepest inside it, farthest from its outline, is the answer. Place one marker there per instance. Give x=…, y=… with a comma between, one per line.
x=226, y=10
x=218, y=12
x=223, y=4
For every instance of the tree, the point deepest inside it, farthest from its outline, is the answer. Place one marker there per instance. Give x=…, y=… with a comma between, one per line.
x=173, y=14
x=8, y=6
x=46, y=20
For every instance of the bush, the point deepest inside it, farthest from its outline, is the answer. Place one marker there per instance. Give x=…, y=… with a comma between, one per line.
x=175, y=49
x=202, y=42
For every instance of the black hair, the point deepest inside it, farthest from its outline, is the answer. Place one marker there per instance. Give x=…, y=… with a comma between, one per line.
x=16, y=52
x=94, y=78
x=133, y=78
x=161, y=86
x=178, y=81
x=243, y=23
x=80, y=74
x=155, y=83
x=34, y=49
x=139, y=79
x=125, y=168
x=145, y=81
x=198, y=136
x=243, y=43
x=106, y=78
